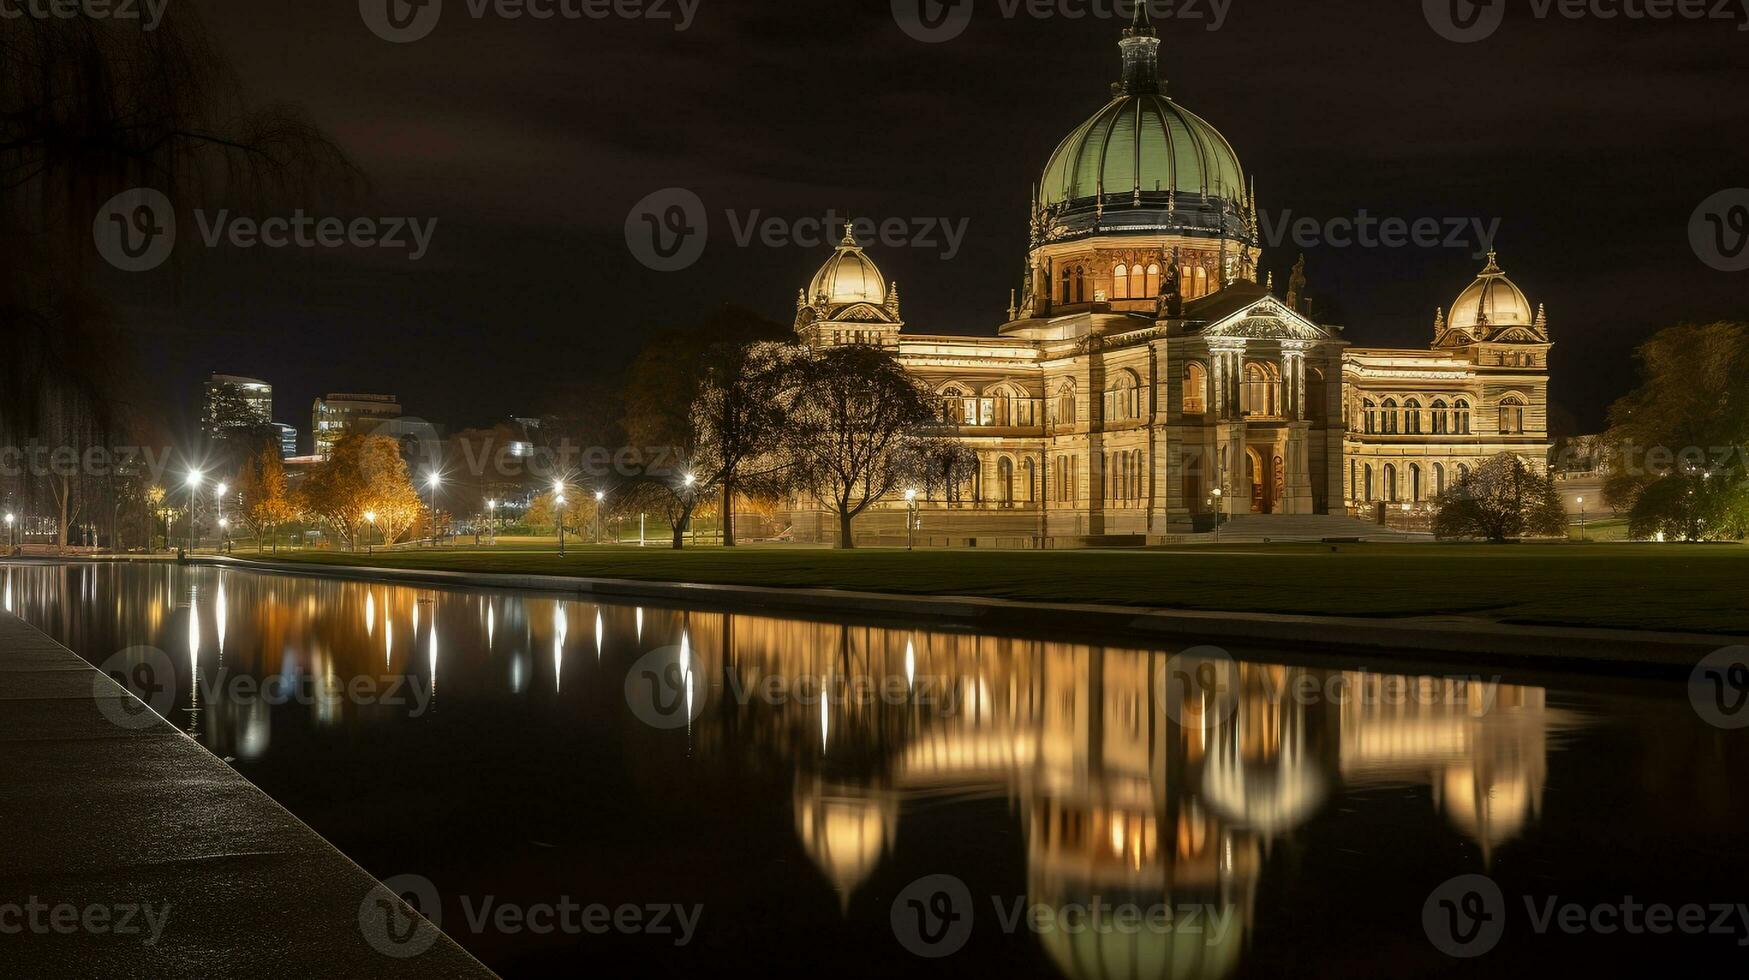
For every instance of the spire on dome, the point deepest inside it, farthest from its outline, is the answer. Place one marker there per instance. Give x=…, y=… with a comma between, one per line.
x=1141, y=54
x=1493, y=268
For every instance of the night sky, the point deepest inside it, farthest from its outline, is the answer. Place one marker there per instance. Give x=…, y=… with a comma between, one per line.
x=1592, y=141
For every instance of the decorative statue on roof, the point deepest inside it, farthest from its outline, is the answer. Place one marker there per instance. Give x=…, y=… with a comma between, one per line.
x=1171, y=300
x=1296, y=285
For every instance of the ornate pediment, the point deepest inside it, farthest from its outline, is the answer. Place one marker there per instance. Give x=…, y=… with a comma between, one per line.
x=1518, y=335
x=861, y=313
x=1266, y=319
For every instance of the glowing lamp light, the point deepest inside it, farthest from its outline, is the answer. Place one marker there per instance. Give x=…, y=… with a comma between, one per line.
x=194, y=479
x=433, y=481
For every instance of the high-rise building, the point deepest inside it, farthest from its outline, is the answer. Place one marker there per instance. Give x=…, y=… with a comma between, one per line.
x=257, y=394
x=338, y=414
x=288, y=440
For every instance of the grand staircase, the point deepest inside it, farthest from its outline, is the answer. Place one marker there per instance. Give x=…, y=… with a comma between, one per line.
x=1256, y=528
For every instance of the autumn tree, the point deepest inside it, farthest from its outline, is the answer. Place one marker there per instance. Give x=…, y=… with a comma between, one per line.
x=1501, y=500
x=860, y=430
x=1676, y=445
x=363, y=475
x=267, y=503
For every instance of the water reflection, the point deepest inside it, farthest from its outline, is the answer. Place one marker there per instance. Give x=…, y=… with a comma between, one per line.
x=1120, y=784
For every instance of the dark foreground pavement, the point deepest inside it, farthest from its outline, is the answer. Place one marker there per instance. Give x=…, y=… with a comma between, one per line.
x=128, y=850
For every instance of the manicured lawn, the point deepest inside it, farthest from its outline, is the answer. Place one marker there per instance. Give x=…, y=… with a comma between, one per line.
x=1675, y=587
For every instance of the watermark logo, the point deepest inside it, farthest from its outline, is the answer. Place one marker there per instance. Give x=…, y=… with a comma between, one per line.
x=406, y=21
x=401, y=917
x=1719, y=230
x=933, y=916
x=1719, y=688
x=1367, y=230
x=1465, y=21
x=663, y=688
x=933, y=21
x=401, y=21
x=41, y=918
x=150, y=13
x=145, y=672
x=1466, y=916
x=667, y=230
x=1200, y=687
x=135, y=230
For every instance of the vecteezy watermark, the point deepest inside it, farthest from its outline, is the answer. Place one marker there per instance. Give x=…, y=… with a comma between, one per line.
x=1468, y=21
x=406, y=21
x=1719, y=688
x=1467, y=916
x=41, y=918
x=144, y=672
x=938, y=21
x=1204, y=686
x=1719, y=230
x=150, y=13
x=667, y=231
x=934, y=916
x=1366, y=230
x=135, y=231
x=402, y=917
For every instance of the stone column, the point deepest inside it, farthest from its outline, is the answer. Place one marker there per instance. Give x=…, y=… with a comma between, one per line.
x=1234, y=481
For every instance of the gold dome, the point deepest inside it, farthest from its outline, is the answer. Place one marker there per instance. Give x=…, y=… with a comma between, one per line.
x=1491, y=302
x=848, y=277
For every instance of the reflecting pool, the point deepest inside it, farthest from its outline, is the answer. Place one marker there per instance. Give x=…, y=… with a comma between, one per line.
x=658, y=791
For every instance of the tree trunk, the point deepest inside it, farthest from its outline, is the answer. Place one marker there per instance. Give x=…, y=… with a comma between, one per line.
x=845, y=540
x=728, y=513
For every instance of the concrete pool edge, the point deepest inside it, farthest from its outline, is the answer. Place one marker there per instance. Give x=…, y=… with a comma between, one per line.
x=1587, y=648
x=107, y=814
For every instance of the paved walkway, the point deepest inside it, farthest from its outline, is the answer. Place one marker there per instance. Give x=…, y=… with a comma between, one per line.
x=128, y=850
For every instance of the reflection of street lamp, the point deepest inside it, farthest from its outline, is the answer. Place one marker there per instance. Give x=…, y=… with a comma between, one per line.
x=370, y=517
x=11, y=542
x=433, y=481
x=910, y=519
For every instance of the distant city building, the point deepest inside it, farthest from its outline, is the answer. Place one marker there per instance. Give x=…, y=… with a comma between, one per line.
x=288, y=440
x=338, y=414
x=257, y=393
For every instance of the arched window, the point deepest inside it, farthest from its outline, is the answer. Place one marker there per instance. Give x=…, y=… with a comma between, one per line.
x=1202, y=282
x=1151, y=284
x=1390, y=418
x=1441, y=418
x=1120, y=282
x=1438, y=479
x=1195, y=388
x=1080, y=284
x=1412, y=417
x=1463, y=472
x=1068, y=285
x=1512, y=416
x=958, y=407
x=1028, y=481
x=1005, y=481
x=1369, y=486
x=1415, y=482
x=1123, y=398
x=1372, y=417
x=1353, y=480
x=1063, y=405
x=1390, y=488
x=1461, y=423
x=1261, y=394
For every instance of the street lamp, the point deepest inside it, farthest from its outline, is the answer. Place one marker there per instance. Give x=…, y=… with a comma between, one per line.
x=599, y=497
x=193, y=500
x=910, y=520
x=433, y=481
x=1218, y=493
x=492, y=520
x=1581, y=518
x=559, y=512
x=370, y=517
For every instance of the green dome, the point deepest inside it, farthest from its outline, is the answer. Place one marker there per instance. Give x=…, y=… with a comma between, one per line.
x=1143, y=144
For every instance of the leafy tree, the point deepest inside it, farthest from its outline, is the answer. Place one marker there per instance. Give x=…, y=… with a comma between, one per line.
x=267, y=502
x=363, y=475
x=740, y=417
x=859, y=432
x=662, y=390
x=1677, y=443
x=1501, y=500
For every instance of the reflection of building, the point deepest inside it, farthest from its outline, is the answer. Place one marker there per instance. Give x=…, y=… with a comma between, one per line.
x=336, y=415
x=256, y=394
x=1149, y=373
